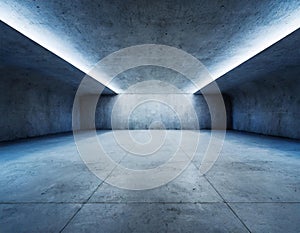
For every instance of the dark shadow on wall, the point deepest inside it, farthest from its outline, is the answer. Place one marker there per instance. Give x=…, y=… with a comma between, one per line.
x=269, y=105
x=32, y=105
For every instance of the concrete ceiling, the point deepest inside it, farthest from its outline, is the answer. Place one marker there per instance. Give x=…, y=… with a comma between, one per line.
x=22, y=58
x=280, y=62
x=221, y=34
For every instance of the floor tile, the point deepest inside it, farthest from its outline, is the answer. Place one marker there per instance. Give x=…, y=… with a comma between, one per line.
x=155, y=218
x=269, y=217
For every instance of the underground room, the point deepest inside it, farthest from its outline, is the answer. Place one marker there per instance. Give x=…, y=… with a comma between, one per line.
x=150, y=116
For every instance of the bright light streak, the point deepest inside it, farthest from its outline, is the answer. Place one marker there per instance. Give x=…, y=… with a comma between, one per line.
x=47, y=37
x=43, y=35
x=262, y=39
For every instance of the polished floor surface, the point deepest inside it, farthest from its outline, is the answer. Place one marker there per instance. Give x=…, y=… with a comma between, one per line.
x=254, y=186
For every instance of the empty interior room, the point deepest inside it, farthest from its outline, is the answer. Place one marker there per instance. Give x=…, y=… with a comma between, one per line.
x=149, y=116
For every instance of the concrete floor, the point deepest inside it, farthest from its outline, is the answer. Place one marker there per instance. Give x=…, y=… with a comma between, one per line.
x=253, y=187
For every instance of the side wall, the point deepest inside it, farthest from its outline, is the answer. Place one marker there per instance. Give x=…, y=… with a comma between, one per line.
x=32, y=107
x=268, y=106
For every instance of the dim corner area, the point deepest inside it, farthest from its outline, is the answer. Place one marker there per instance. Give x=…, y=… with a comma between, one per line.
x=149, y=116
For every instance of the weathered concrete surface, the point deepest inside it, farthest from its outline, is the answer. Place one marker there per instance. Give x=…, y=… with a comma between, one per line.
x=40, y=217
x=130, y=111
x=140, y=111
x=265, y=90
x=269, y=106
x=141, y=77
x=37, y=91
x=33, y=105
x=36, y=88
x=273, y=63
x=279, y=214
x=147, y=217
x=208, y=31
x=215, y=32
x=20, y=54
x=47, y=183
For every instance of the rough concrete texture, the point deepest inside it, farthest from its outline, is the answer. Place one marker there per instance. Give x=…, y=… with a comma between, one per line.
x=273, y=63
x=208, y=30
x=33, y=105
x=20, y=54
x=144, y=111
x=269, y=106
x=145, y=74
x=37, y=88
x=265, y=90
x=253, y=187
x=215, y=32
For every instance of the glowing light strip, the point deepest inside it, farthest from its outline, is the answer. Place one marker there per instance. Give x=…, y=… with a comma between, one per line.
x=47, y=39
x=266, y=37
x=260, y=40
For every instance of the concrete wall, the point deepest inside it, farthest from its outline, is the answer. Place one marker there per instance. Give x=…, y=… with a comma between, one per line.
x=270, y=105
x=143, y=111
x=33, y=106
